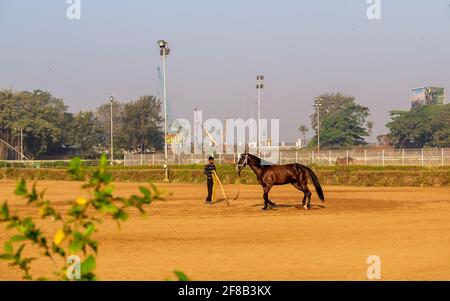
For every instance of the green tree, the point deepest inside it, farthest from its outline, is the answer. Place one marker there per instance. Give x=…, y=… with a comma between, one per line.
x=330, y=104
x=38, y=113
x=427, y=125
x=84, y=134
x=140, y=125
x=342, y=122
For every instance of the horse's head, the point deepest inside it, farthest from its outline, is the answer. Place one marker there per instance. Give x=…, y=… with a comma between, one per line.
x=242, y=163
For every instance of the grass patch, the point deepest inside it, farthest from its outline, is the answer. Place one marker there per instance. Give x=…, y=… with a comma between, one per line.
x=351, y=175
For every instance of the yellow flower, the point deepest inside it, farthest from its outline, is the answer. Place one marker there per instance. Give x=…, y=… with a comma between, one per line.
x=42, y=210
x=81, y=201
x=59, y=237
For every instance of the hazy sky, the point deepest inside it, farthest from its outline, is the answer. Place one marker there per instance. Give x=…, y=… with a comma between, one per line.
x=304, y=48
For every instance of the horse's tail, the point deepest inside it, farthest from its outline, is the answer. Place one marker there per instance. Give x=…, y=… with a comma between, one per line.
x=316, y=183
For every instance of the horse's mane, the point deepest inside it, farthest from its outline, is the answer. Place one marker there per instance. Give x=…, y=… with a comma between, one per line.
x=254, y=158
x=259, y=161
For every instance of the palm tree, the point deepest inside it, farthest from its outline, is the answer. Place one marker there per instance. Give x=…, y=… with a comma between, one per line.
x=370, y=130
x=303, y=129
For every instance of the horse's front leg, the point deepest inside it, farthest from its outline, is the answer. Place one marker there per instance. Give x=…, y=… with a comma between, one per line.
x=267, y=202
x=266, y=199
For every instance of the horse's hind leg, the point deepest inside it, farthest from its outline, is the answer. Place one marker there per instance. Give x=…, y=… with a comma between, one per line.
x=308, y=196
x=299, y=187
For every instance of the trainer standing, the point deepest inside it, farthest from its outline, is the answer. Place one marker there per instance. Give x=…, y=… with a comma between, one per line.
x=209, y=168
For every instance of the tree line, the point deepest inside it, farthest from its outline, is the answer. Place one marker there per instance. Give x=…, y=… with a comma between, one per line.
x=50, y=131
x=344, y=123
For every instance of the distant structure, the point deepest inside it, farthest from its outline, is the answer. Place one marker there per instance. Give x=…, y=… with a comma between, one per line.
x=427, y=96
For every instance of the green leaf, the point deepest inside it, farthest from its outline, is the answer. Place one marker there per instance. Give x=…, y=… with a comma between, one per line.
x=21, y=188
x=17, y=238
x=120, y=215
x=6, y=256
x=145, y=191
x=76, y=245
x=90, y=228
x=8, y=247
x=110, y=208
x=4, y=212
x=88, y=265
x=76, y=170
x=103, y=161
x=181, y=276
x=76, y=211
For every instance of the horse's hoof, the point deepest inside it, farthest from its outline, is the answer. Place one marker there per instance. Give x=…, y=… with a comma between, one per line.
x=264, y=208
x=274, y=205
x=306, y=207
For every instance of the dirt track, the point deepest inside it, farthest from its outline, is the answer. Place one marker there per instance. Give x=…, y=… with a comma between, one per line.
x=409, y=228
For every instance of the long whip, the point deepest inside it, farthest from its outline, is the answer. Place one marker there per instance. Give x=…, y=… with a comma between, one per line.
x=223, y=190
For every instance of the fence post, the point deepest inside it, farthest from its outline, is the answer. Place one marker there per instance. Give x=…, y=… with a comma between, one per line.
x=422, y=157
x=329, y=157
x=296, y=157
x=382, y=154
x=281, y=157
x=365, y=157
x=403, y=156
x=153, y=159
x=442, y=157
x=346, y=154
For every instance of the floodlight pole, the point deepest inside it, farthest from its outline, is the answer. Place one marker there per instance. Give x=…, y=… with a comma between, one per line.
x=318, y=130
x=259, y=87
x=318, y=104
x=251, y=121
x=164, y=52
x=111, y=100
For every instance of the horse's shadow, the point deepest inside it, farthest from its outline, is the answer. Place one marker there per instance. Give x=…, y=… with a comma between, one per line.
x=296, y=206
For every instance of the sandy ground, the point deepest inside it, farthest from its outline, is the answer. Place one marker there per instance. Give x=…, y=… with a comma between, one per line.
x=408, y=228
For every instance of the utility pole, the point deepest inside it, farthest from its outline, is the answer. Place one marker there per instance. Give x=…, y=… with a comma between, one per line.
x=21, y=144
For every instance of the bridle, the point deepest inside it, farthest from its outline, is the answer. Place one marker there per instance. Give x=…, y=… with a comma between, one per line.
x=243, y=163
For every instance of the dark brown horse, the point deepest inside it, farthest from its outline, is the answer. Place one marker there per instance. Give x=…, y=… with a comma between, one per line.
x=272, y=175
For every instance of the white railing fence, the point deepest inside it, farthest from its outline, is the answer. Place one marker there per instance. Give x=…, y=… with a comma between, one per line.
x=372, y=157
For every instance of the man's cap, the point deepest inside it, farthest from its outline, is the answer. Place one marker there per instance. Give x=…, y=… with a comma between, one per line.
x=211, y=158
